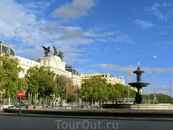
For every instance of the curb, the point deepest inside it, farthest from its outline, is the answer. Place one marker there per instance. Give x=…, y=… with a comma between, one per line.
x=94, y=114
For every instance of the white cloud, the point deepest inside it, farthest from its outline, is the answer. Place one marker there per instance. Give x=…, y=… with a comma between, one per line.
x=111, y=33
x=27, y=30
x=163, y=11
x=162, y=33
x=36, y=52
x=71, y=35
x=70, y=57
x=89, y=34
x=102, y=40
x=168, y=42
x=143, y=24
x=163, y=90
x=71, y=28
x=83, y=60
x=75, y=9
x=72, y=42
x=93, y=50
x=25, y=22
x=38, y=4
x=118, y=49
x=111, y=67
x=86, y=70
x=101, y=36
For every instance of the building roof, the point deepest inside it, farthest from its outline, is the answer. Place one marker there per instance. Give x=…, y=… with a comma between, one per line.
x=4, y=47
x=71, y=69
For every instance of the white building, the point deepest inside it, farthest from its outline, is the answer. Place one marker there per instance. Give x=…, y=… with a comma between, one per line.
x=53, y=63
x=110, y=79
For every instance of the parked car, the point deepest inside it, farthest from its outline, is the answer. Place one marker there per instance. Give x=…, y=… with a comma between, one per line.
x=17, y=107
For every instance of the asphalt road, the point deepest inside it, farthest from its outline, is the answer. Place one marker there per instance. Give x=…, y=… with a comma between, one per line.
x=49, y=123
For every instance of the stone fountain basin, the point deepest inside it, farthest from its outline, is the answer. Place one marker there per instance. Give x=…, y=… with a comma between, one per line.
x=139, y=84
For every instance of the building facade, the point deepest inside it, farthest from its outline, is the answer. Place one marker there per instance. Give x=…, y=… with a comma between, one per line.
x=110, y=79
x=53, y=63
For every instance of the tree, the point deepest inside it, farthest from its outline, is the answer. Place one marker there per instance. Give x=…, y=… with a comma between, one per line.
x=41, y=82
x=64, y=87
x=72, y=98
x=95, y=89
x=9, y=74
x=114, y=92
x=161, y=98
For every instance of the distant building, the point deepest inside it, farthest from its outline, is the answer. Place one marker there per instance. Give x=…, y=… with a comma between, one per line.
x=76, y=78
x=71, y=69
x=131, y=87
x=110, y=79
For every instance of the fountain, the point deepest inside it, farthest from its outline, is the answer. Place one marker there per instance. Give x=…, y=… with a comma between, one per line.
x=138, y=99
x=138, y=85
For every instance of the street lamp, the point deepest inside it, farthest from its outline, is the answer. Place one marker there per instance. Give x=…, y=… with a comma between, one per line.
x=76, y=94
x=129, y=80
x=154, y=86
x=149, y=92
x=66, y=87
x=170, y=88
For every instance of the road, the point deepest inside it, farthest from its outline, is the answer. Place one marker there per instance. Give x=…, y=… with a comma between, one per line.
x=49, y=123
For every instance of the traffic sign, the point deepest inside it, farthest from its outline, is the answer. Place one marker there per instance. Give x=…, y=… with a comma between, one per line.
x=20, y=94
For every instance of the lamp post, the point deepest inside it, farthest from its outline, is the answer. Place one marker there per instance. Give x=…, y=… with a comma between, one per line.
x=67, y=80
x=129, y=80
x=170, y=89
x=76, y=94
x=154, y=86
x=149, y=92
x=66, y=88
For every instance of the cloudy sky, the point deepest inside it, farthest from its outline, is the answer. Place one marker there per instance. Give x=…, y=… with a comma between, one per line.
x=104, y=36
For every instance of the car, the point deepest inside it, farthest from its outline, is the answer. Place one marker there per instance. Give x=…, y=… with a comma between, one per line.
x=17, y=107
x=57, y=107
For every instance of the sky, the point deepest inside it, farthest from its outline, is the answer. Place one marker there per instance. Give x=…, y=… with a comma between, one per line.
x=96, y=36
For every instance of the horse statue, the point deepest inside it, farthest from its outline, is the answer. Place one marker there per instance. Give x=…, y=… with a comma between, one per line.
x=55, y=51
x=61, y=55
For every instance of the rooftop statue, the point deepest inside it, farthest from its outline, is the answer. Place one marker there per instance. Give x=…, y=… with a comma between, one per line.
x=61, y=55
x=47, y=50
x=55, y=51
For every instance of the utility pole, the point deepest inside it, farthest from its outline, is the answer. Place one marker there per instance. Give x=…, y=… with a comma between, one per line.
x=170, y=90
x=154, y=85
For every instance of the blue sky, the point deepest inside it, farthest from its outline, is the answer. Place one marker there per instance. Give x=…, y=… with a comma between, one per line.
x=104, y=36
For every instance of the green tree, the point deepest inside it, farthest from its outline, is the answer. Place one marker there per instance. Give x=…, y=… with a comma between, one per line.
x=113, y=92
x=72, y=98
x=41, y=82
x=95, y=89
x=64, y=85
x=160, y=98
x=9, y=74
